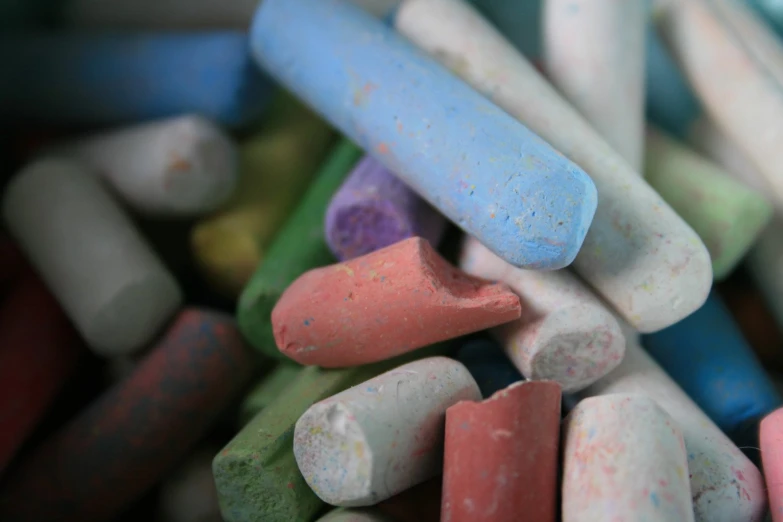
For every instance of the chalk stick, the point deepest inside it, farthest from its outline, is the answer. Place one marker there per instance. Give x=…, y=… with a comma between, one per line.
x=118, y=447
x=708, y=357
x=771, y=442
x=374, y=209
x=39, y=350
x=624, y=458
x=181, y=166
x=382, y=436
x=501, y=456
x=565, y=333
x=726, y=214
x=107, y=279
x=634, y=233
x=297, y=248
x=594, y=55
x=267, y=390
x=725, y=485
x=256, y=474
x=384, y=304
x=488, y=364
x=97, y=78
x=189, y=495
x=503, y=184
x=276, y=165
x=749, y=69
x=354, y=515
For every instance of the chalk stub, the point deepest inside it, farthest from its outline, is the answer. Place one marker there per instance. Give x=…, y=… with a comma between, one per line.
x=383, y=436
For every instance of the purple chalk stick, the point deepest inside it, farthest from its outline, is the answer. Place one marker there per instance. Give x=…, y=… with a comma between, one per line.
x=374, y=209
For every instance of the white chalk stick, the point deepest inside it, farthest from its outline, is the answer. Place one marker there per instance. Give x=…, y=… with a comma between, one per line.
x=354, y=515
x=108, y=280
x=639, y=254
x=725, y=485
x=594, y=54
x=735, y=65
x=624, y=459
x=565, y=333
x=181, y=166
x=383, y=436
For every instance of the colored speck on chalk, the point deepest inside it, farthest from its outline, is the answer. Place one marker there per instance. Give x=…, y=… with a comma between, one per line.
x=654, y=499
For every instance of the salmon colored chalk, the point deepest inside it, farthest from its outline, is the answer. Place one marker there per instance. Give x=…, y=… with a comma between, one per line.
x=771, y=442
x=38, y=353
x=383, y=304
x=125, y=441
x=501, y=456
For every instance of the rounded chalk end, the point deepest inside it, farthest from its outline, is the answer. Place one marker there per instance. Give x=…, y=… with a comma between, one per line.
x=201, y=164
x=134, y=314
x=575, y=347
x=338, y=476
x=359, y=229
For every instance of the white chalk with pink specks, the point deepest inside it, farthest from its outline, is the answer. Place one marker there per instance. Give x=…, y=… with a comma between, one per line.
x=639, y=254
x=565, y=333
x=725, y=485
x=383, y=436
x=624, y=459
x=594, y=55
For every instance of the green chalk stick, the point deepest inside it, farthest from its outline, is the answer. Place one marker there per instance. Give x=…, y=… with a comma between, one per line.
x=727, y=215
x=298, y=247
x=266, y=391
x=256, y=475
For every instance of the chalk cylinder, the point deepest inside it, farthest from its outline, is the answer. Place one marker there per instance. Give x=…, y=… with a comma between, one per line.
x=586, y=36
x=771, y=442
x=488, y=365
x=289, y=255
x=501, y=456
x=624, y=458
x=527, y=203
x=565, y=333
x=382, y=436
x=708, y=357
x=634, y=233
x=725, y=485
x=354, y=515
x=104, y=274
x=107, y=78
x=182, y=166
x=374, y=209
x=118, y=447
x=39, y=350
x=384, y=304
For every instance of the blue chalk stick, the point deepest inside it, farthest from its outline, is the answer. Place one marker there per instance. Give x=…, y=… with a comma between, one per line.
x=77, y=79
x=709, y=358
x=479, y=166
x=489, y=365
x=671, y=103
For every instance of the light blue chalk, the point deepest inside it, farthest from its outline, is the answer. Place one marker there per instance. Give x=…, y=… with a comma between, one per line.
x=710, y=359
x=489, y=365
x=476, y=164
x=88, y=79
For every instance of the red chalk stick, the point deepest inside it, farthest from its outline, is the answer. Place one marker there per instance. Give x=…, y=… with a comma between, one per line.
x=38, y=352
x=500, y=462
x=383, y=304
x=124, y=442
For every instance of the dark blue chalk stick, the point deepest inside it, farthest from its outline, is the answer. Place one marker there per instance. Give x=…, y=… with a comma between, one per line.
x=708, y=357
x=86, y=79
x=488, y=365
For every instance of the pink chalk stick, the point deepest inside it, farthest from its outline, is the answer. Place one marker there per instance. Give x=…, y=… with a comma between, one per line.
x=771, y=441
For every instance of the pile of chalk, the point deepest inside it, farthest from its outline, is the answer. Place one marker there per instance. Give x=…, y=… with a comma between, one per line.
x=391, y=261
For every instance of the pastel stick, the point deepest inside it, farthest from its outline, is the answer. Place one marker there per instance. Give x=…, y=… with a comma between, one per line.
x=634, y=232
x=501, y=456
x=708, y=357
x=374, y=209
x=108, y=78
x=771, y=442
x=289, y=255
x=518, y=195
x=489, y=365
x=624, y=458
x=355, y=448
x=267, y=390
x=384, y=304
